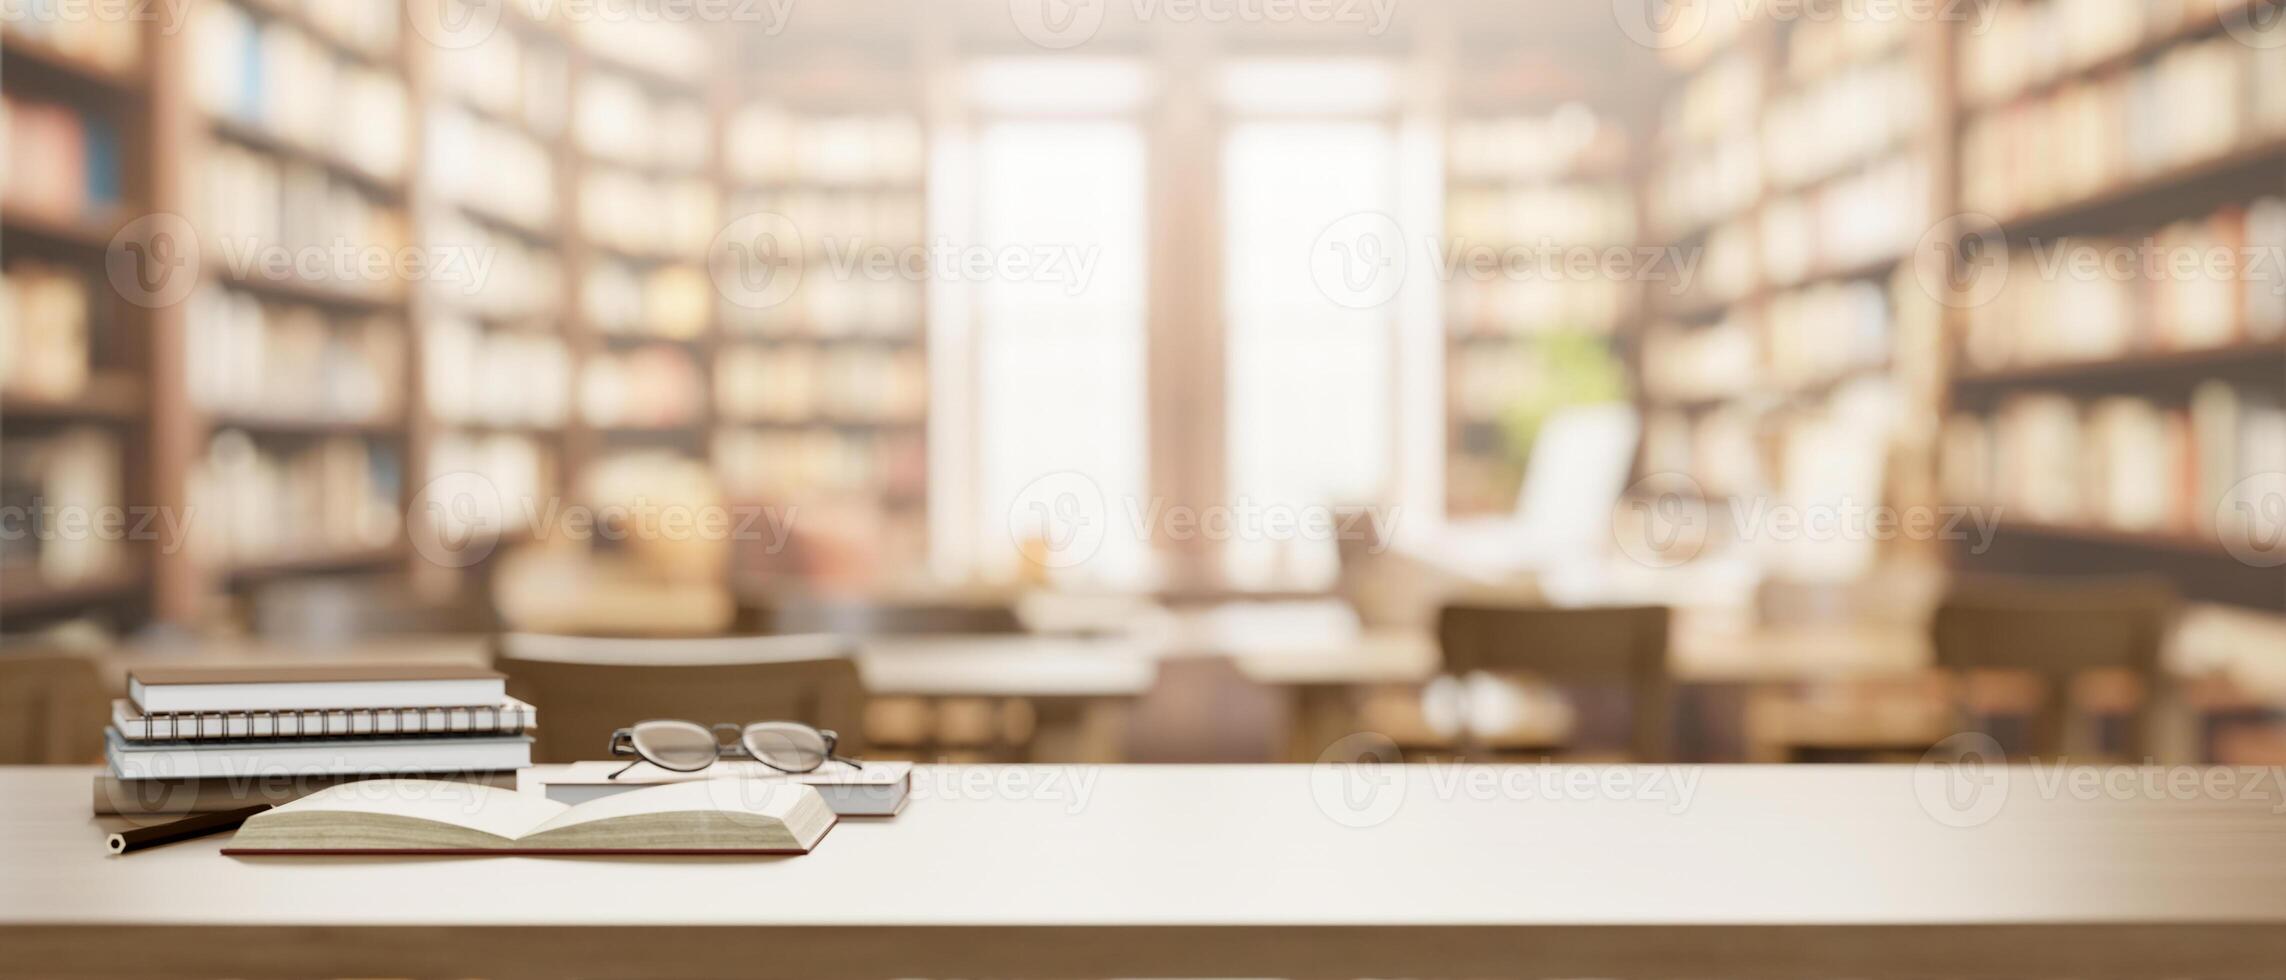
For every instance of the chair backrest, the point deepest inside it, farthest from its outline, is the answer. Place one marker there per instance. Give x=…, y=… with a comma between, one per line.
x=2053, y=629
x=1622, y=645
x=2057, y=631
x=52, y=710
x=585, y=687
x=863, y=618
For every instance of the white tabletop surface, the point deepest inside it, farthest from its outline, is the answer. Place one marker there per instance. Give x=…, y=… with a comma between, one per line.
x=1261, y=845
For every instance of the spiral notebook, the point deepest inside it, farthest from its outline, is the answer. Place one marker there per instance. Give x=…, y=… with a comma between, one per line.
x=509, y=717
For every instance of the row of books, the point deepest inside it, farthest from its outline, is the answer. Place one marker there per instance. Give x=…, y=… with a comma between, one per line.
x=2036, y=42
x=675, y=302
x=253, y=202
x=1820, y=46
x=366, y=27
x=58, y=486
x=252, y=358
x=1720, y=360
x=1856, y=114
x=2195, y=102
x=766, y=144
x=522, y=283
x=197, y=739
x=51, y=329
x=1704, y=185
x=655, y=386
x=63, y=162
x=1871, y=216
x=504, y=378
x=1532, y=147
x=625, y=123
x=271, y=75
x=517, y=181
x=2122, y=463
x=1505, y=306
x=110, y=43
x=646, y=38
x=519, y=468
x=798, y=383
x=509, y=75
x=2201, y=283
x=1729, y=269
x=819, y=463
x=827, y=306
x=1713, y=103
x=1720, y=448
x=1561, y=212
x=642, y=215
x=841, y=221
x=291, y=499
x=1825, y=331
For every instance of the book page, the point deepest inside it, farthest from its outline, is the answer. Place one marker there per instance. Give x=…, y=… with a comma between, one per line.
x=769, y=799
x=485, y=809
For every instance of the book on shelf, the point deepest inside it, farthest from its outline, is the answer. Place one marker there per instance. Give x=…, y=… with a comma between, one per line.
x=51, y=478
x=372, y=687
x=116, y=797
x=62, y=164
x=876, y=789
x=508, y=717
x=411, y=816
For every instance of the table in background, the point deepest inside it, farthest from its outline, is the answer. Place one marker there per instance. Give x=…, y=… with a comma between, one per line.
x=1232, y=871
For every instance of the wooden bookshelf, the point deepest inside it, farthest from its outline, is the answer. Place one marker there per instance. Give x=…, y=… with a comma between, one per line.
x=2165, y=378
x=110, y=401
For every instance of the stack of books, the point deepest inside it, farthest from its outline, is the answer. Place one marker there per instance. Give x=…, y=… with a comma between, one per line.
x=194, y=740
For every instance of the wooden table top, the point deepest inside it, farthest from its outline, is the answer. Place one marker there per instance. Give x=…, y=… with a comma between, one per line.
x=1190, y=870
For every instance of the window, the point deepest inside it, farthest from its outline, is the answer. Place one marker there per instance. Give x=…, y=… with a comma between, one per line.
x=1311, y=379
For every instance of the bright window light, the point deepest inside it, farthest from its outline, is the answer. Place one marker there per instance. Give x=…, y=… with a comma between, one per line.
x=1330, y=86
x=1041, y=86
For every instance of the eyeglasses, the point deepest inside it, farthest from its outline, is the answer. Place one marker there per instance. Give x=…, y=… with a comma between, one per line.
x=687, y=746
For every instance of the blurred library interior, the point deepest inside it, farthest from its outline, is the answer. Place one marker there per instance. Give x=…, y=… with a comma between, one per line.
x=1204, y=381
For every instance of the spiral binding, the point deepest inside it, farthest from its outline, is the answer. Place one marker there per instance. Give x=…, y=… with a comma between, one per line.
x=194, y=726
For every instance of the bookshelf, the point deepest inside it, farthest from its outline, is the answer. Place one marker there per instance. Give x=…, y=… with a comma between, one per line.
x=822, y=395
x=73, y=421
x=303, y=155
x=1802, y=159
x=2110, y=413
x=642, y=204
x=1524, y=338
x=497, y=361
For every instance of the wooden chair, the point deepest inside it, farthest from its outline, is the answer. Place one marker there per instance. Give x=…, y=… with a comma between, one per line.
x=2057, y=634
x=585, y=687
x=958, y=729
x=1621, y=649
x=52, y=710
x=2010, y=649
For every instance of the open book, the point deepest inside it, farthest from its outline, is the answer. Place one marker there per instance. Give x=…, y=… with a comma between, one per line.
x=421, y=816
